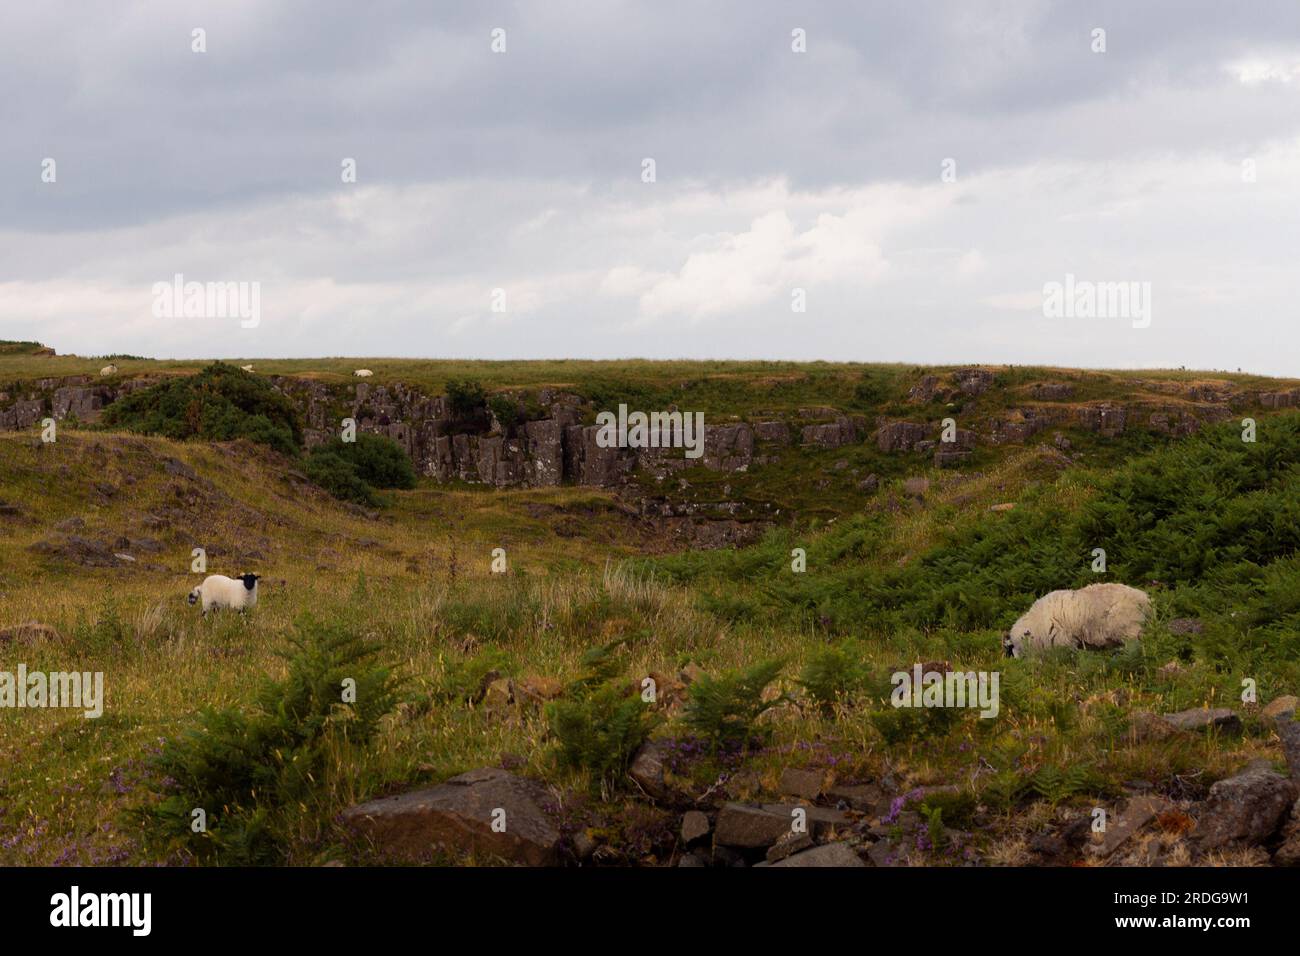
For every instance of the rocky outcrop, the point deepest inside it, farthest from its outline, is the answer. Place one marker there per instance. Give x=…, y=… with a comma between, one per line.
x=901, y=436
x=1289, y=399
x=1105, y=419
x=949, y=454
x=489, y=812
x=774, y=431
x=973, y=381
x=830, y=434
x=23, y=414
x=1051, y=391
x=547, y=443
x=1017, y=429
x=1246, y=809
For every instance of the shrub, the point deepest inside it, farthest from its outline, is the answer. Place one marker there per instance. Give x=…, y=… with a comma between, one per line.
x=505, y=409
x=724, y=709
x=465, y=398
x=831, y=675
x=599, y=730
x=254, y=774
x=351, y=470
x=339, y=477
x=904, y=725
x=955, y=809
x=870, y=392
x=220, y=403
x=465, y=681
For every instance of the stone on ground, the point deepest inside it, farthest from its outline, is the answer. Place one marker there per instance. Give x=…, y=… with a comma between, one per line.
x=1202, y=718
x=831, y=854
x=1245, y=810
x=458, y=815
x=1123, y=826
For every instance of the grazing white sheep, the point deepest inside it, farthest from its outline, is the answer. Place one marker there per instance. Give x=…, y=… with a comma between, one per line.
x=363, y=373
x=245, y=368
x=108, y=370
x=218, y=591
x=1093, y=618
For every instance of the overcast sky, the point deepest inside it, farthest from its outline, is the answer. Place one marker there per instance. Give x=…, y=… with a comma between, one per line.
x=1172, y=158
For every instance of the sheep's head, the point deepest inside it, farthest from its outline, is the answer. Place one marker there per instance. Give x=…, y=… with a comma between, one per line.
x=250, y=580
x=1014, y=646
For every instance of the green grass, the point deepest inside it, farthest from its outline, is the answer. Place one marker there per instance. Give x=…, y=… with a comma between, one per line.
x=892, y=578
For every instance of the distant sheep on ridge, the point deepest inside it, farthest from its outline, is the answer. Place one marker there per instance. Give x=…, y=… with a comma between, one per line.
x=363, y=373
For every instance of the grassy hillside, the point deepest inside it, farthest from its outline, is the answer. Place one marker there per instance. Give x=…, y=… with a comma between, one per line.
x=97, y=532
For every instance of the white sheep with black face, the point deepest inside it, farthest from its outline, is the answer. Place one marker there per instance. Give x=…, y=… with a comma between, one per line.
x=219, y=591
x=1097, y=617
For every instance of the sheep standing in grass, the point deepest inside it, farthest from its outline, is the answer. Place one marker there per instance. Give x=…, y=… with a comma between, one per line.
x=1093, y=618
x=218, y=591
x=363, y=373
x=108, y=370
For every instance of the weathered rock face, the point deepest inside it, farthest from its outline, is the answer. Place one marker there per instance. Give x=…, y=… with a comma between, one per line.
x=830, y=434
x=1023, y=424
x=973, y=381
x=773, y=431
x=901, y=436
x=21, y=415
x=458, y=816
x=1289, y=399
x=729, y=447
x=949, y=454
x=553, y=446
x=924, y=391
x=1105, y=419
x=1051, y=391
x=84, y=403
x=589, y=464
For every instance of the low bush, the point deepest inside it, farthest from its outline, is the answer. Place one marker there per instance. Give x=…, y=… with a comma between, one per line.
x=220, y=403
x=253, y=774
x=352, y=470
x=724, y=710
